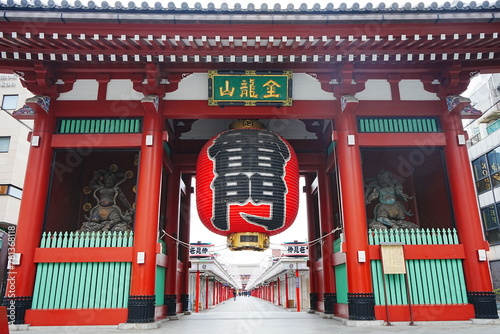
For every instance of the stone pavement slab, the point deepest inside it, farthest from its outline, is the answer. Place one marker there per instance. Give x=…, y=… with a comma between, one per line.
x=248, y=315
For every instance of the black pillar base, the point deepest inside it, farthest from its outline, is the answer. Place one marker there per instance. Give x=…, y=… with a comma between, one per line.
x=141, y=309
x=185, y=302
x=330, y=301
x=361, y=306
x=484, y=304
x=171, y=302
x=16, y=308
x=313, y=301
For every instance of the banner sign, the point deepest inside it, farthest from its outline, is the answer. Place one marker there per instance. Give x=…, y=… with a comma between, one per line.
x=200, y=250
x=296, y=249
x=249, y=88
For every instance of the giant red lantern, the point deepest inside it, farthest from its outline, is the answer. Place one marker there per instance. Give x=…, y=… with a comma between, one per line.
x=247, y=185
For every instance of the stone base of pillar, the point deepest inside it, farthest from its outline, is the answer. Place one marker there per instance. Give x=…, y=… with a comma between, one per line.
x=185, y=302
x=141, y=326
x=313, y=301
x=330, y=301
x=141, y=309
x=171, y=302
x=16, y=308
x=484, y=302
x=361, y=306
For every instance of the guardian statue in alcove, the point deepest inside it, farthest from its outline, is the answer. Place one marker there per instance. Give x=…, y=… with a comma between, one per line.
x=390, y=212
x=107, y=215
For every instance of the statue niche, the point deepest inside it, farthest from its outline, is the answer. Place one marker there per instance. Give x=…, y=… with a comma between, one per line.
x=389, y=212
x=106, y=215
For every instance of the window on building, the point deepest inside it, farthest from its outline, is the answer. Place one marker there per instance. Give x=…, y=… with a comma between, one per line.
x=4, y=144
x=493, y=158
x=491, y=224
x=481, y=174
x=9, y=102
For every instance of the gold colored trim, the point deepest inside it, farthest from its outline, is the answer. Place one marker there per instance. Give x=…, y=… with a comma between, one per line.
x=255, y=241
x=247, y=123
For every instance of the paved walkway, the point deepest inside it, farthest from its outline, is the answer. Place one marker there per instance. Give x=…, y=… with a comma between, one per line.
x=248, y=315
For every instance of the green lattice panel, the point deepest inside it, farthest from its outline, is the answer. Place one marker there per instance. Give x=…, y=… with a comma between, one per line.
x=98, y=125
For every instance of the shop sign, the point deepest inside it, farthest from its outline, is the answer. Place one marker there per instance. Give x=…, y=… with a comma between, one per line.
x=296, y=249
x=250, y=88
x=200, y=250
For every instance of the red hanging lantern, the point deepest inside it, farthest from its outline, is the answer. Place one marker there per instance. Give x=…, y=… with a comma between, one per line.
x=247, y=185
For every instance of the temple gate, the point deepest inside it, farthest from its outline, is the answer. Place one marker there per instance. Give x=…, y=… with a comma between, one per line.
x=121, y=111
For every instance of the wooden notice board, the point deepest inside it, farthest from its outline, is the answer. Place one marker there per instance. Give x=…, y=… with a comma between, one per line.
x=393, y=259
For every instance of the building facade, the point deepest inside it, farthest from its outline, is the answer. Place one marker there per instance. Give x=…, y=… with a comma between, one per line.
x=126, y=97
x=484, y=147
x=14, y=148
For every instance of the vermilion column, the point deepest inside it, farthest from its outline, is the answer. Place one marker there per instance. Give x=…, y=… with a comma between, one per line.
x=172, y=229
x=360, y=296
x=141, y=304
x=21, y=278
x=286, y=291
x=184, y=251
x=312, y=235
x=279, y=292
x=326, y=217
x=467, y=218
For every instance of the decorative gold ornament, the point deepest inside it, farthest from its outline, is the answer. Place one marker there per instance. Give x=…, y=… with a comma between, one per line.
x=134, y=188
x=87, y=207
x=129, y=174
x=87, y=190
x=113, y=167
x=255, y=241
x=247, y=123
x=136, y=160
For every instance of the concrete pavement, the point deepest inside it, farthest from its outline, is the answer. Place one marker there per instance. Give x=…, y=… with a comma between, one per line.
x=248, y=315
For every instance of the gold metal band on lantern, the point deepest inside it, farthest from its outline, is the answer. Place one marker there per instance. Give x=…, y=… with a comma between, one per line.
x=248, y=241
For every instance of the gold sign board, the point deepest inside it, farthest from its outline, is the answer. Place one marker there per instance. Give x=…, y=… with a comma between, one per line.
x=393, y=259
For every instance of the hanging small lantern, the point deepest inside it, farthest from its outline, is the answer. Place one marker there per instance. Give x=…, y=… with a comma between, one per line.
x=247, y=185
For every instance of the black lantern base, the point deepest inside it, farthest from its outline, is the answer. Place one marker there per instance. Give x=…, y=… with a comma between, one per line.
x=330, y=301
x=141, y=309
x=484, y=304
x=361, y=306
x=171, y=302
x=16, y=308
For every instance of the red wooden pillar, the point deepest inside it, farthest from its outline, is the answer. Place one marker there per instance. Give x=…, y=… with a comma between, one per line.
x=172, y=229
x=286, y=290
x=279, y=292
x=185, y=228
x=214, y=287
x=360, y=296
x=197, y=298
x=207, y=295
x=32, y=210
x=141, y=305
x=467, y=219
x=297, y=289
x=327, y=225
x=312, y=235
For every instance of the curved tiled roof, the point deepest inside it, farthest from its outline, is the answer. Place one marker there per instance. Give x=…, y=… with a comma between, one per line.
x=91, y=5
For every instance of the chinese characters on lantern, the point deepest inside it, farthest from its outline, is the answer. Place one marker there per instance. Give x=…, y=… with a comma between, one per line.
x=249, y=168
